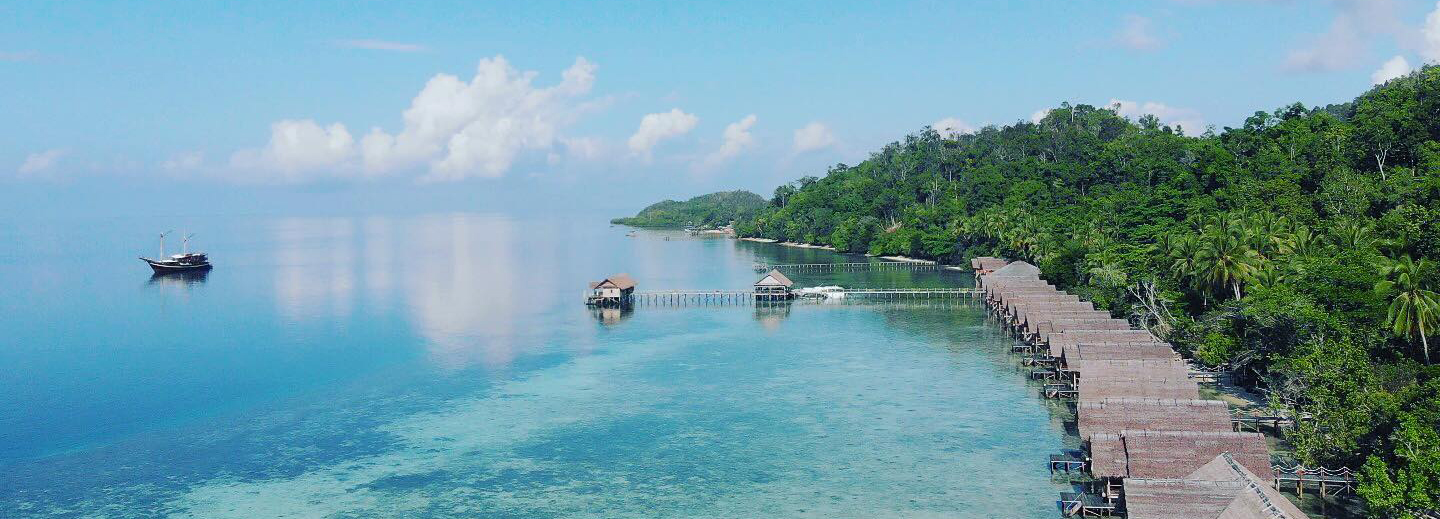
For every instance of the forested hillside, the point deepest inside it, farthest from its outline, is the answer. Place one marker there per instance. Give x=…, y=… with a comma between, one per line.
x=712, y=210
x=1298, y=250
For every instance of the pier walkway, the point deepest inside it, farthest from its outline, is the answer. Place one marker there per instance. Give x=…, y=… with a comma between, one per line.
x=747, y=297
x=849, y=267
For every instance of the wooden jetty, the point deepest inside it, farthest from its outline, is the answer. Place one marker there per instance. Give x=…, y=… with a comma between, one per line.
x=849, y=267
x=747, y=297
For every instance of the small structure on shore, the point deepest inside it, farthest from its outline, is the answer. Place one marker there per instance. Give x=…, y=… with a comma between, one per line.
x=614, y=290
x=774, y=287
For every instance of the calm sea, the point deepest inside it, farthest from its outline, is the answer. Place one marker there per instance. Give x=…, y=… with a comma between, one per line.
x=445, y=366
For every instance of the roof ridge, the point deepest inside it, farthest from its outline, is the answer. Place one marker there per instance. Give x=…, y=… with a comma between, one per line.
x=1254, y=488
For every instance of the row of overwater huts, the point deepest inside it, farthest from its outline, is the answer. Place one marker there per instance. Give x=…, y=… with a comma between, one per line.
x=619, y=289
x=1153, y=448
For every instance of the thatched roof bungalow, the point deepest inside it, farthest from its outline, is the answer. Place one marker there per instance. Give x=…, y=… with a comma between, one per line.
x=1081, y=325
x=614, y=289
x=773, y=286
x=1042, y=319
x=1114, y=415
x=1115, y=351
x=1057, y=341
x=1166, y=368
x=986, y=264
x=1023, y=313
x=1139, y=386
x=1017, y=269
x=1222, y=489
x=1174, y=454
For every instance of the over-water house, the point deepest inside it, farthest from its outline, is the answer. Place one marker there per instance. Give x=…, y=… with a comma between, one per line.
x=614, y=290
x=774, y=286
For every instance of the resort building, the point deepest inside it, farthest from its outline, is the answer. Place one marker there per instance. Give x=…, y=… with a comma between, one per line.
x=774, y=286
x=614, y=290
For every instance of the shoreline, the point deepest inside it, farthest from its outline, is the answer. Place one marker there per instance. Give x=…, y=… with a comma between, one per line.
x=900, y=258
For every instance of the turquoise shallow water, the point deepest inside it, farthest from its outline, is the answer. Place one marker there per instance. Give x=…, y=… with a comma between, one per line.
x=443, y=366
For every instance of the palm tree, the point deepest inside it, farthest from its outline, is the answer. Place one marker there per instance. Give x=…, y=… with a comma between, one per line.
x=1415, y=307
x=1225, y=261
x=1354, y=235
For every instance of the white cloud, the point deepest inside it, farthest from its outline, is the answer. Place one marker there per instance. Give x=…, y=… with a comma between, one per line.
x=37, y=163
x=736, y=138
x=583, y=148
x=453, y=128
x=812, y=137
x=1039, y=115
x=951, y=125
x=1395, y=67
x=381, y=45
x=1351, y=33
x=299, y=148
x=1189, y=119
x=1137, y=33
x=657, y=127
x=186, y=161
x=1430, y=36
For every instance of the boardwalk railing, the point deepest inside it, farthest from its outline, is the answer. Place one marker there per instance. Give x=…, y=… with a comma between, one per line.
x=1326, y=481
x=746, y=297
x=837, y=267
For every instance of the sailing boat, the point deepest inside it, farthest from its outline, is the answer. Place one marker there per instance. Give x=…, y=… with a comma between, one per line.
x=186, y=261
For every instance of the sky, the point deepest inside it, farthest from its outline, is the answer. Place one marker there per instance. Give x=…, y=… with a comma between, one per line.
x=301, y=107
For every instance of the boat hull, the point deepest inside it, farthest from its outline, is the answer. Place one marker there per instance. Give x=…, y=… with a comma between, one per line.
x=161, y=267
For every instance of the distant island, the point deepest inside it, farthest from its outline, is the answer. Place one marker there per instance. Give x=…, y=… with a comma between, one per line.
x=712, y=210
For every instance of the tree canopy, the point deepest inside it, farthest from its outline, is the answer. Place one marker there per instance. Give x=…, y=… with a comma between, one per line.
x=1297, y=249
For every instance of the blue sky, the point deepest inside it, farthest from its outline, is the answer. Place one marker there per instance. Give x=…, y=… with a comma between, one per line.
x=281, y=106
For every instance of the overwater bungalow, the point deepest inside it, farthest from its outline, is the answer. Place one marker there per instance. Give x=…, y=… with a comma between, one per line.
x=1174, y=454
x=1115, y=415
x=614, y=290
x=985, y=264
x=1222, y=488
x=774, y=287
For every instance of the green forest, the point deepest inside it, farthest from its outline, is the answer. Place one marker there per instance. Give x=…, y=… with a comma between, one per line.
x=712, y=210
x=1298, y=250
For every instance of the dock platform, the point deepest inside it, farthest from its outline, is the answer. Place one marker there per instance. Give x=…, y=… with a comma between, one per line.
x=849, y=267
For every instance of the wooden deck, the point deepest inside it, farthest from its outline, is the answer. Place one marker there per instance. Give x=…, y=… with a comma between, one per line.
x=748, y=297
x=849, y=267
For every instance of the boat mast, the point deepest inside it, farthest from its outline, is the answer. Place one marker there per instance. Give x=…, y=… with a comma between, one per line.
x=186, y=249
x=162, y=243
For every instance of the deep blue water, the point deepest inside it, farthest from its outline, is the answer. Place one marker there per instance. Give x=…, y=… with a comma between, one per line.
x=444, y=366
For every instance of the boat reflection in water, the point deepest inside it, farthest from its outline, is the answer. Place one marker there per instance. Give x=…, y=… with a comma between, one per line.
x=184, y=278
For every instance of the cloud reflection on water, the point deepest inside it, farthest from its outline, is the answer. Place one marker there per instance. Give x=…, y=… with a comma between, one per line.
x=463, y=279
